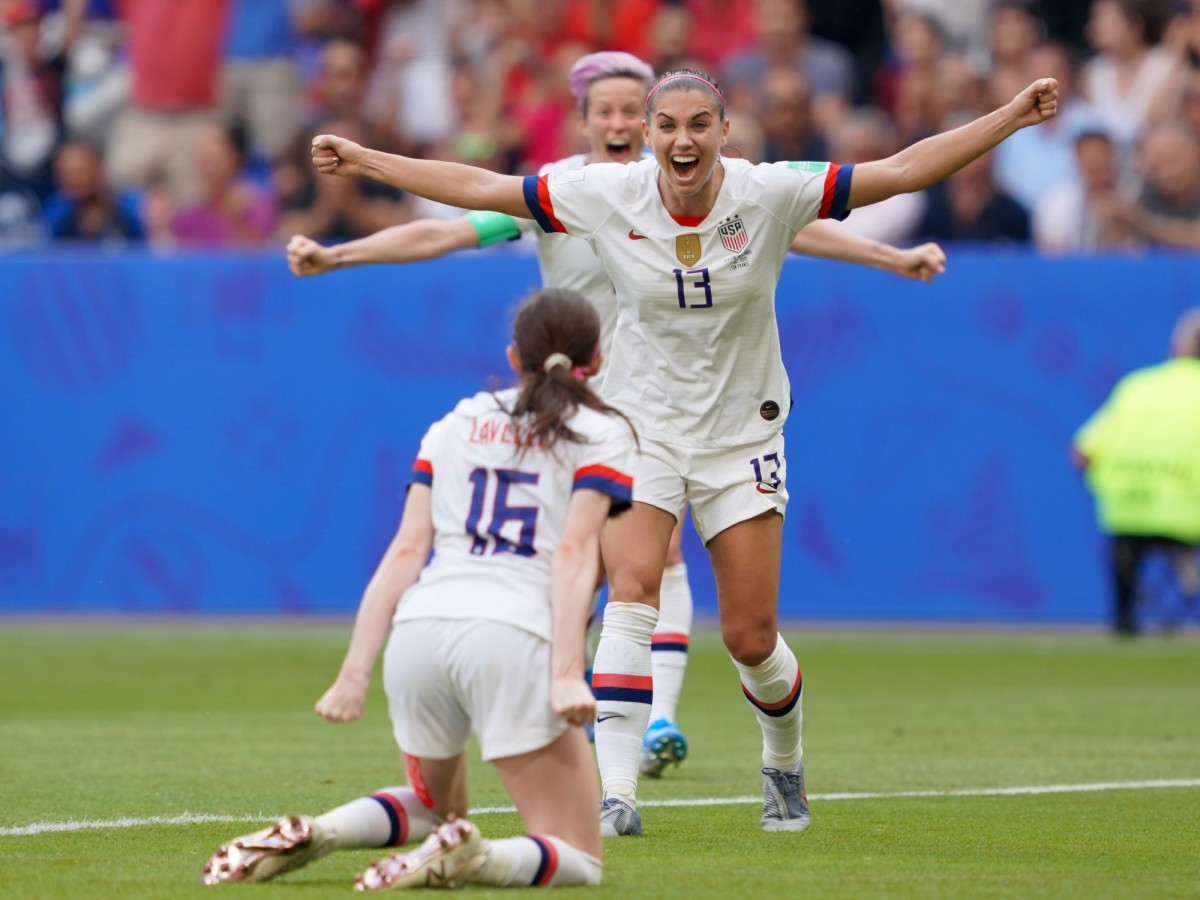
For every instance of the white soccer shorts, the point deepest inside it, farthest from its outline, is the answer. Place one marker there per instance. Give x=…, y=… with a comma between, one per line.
x=725, y=486
x=445, y=678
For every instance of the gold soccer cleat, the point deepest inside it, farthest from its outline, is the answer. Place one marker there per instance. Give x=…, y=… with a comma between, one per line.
x=448, y=858
x=289, y=844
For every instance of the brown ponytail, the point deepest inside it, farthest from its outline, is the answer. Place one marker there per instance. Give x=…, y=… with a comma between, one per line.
x=555, y=320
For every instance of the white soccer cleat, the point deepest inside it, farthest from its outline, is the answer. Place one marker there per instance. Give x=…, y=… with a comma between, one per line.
x=289, y=844
x=452, y=853
x=619, y=816
x=785, y=807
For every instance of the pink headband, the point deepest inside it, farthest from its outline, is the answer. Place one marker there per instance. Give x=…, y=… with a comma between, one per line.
x=684, y=75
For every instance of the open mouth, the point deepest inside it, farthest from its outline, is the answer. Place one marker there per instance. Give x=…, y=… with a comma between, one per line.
x=684, y=166
x=619, y=151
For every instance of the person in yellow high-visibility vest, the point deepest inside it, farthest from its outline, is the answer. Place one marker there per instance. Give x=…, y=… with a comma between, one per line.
x=1140, y=453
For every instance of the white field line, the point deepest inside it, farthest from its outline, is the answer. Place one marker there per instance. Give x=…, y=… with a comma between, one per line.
x=202, y=818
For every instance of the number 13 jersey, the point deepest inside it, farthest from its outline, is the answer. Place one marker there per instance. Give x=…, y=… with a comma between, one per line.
x=695, y=357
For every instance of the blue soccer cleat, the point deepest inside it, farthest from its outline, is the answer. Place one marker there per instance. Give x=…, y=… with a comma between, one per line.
x=664, y=743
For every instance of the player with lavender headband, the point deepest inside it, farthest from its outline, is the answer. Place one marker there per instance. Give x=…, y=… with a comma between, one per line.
x=610, y=88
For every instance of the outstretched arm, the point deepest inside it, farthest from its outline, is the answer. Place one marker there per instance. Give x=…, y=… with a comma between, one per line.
x=397, y=572
x=455, y=184
x=410, y=242
x=831, y=241
x=927, y=162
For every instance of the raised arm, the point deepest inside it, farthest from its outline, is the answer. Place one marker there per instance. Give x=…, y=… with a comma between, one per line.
x=829, y=240
x=410, y=242
x=927, y=162
x=455, y=184
x=397, y=572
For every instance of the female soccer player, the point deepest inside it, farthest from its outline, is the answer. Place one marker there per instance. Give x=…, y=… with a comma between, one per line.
x=694, y=244
x=511, y=490
x=610, y=89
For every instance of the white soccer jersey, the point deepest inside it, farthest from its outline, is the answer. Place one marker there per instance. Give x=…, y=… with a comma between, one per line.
x=695, y=357
x=498, y=514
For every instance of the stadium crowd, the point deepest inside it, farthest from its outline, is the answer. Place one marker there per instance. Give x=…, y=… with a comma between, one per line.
x=187, y=122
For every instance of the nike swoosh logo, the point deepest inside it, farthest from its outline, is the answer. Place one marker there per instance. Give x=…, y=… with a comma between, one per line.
x=637, y=237
x=600, y=719
x=763, y=489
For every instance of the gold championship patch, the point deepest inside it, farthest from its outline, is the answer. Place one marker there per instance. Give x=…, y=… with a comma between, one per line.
x=687, y=249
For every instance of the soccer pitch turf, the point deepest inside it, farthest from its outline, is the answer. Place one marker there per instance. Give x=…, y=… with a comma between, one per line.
x=158, y=742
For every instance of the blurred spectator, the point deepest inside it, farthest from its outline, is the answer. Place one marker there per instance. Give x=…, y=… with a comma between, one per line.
x=784, y=41
x=906, y=85
x=1128, y=81
x=970, y=206
x=333, y=208
x=545, y=109
x=411, y=87
x=1029, y=164
x=963, y=23
x=1141, y=455
x=671, y=40
x=31, y=98
x=174, y=53
x=232, y=210
x=857, y=25
x=1073, y=215
x=612, y=24
x=720, y=29
x=866, y=134
x=83, y=208
x=20, y=214
x=1014, y=29
x=787, y=119
x=260, y=87
x=1168, y=208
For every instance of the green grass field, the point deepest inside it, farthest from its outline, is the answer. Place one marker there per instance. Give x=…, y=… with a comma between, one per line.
x=102, y=722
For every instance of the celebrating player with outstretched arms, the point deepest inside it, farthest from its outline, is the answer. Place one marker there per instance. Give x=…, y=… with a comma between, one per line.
x=610, y=88
x=694, y=244
x=510, y=491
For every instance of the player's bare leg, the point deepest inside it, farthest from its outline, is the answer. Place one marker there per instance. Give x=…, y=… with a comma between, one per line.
x=562, y=847
x=664, y=742
x=634, y=545
x=746, y=563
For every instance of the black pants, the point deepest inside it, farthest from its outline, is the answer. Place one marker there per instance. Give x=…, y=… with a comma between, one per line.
x=1128, y=551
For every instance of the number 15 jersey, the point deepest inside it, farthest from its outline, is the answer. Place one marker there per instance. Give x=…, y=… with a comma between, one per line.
x=695, y=357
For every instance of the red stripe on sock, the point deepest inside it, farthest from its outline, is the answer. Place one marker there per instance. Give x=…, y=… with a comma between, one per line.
x=641, y=682
x=397, y=807
x=666, y=638
x=782, y=703
x=551, y=860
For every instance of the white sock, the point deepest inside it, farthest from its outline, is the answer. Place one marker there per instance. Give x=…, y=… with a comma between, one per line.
x=669, y=646
x=623, y=687
x=388, y=818
x=538, y=860
x=774, y=689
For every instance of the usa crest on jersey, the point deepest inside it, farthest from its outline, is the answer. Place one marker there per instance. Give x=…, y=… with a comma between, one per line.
x=733, y=234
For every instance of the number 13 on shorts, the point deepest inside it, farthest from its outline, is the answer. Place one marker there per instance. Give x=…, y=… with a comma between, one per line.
x=766, y=473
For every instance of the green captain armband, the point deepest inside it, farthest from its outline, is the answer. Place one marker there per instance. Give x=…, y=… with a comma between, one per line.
x=493, y=227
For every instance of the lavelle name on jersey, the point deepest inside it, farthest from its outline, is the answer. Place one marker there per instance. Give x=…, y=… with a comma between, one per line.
x=497, y=431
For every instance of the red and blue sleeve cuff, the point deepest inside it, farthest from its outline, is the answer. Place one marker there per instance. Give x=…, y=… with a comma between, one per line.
x=609, y=481
x=422, y=473
x=837, y=192
x=537, y=198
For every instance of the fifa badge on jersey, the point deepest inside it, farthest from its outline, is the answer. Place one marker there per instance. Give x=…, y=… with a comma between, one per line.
x=733, y=234
x=687, y=249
